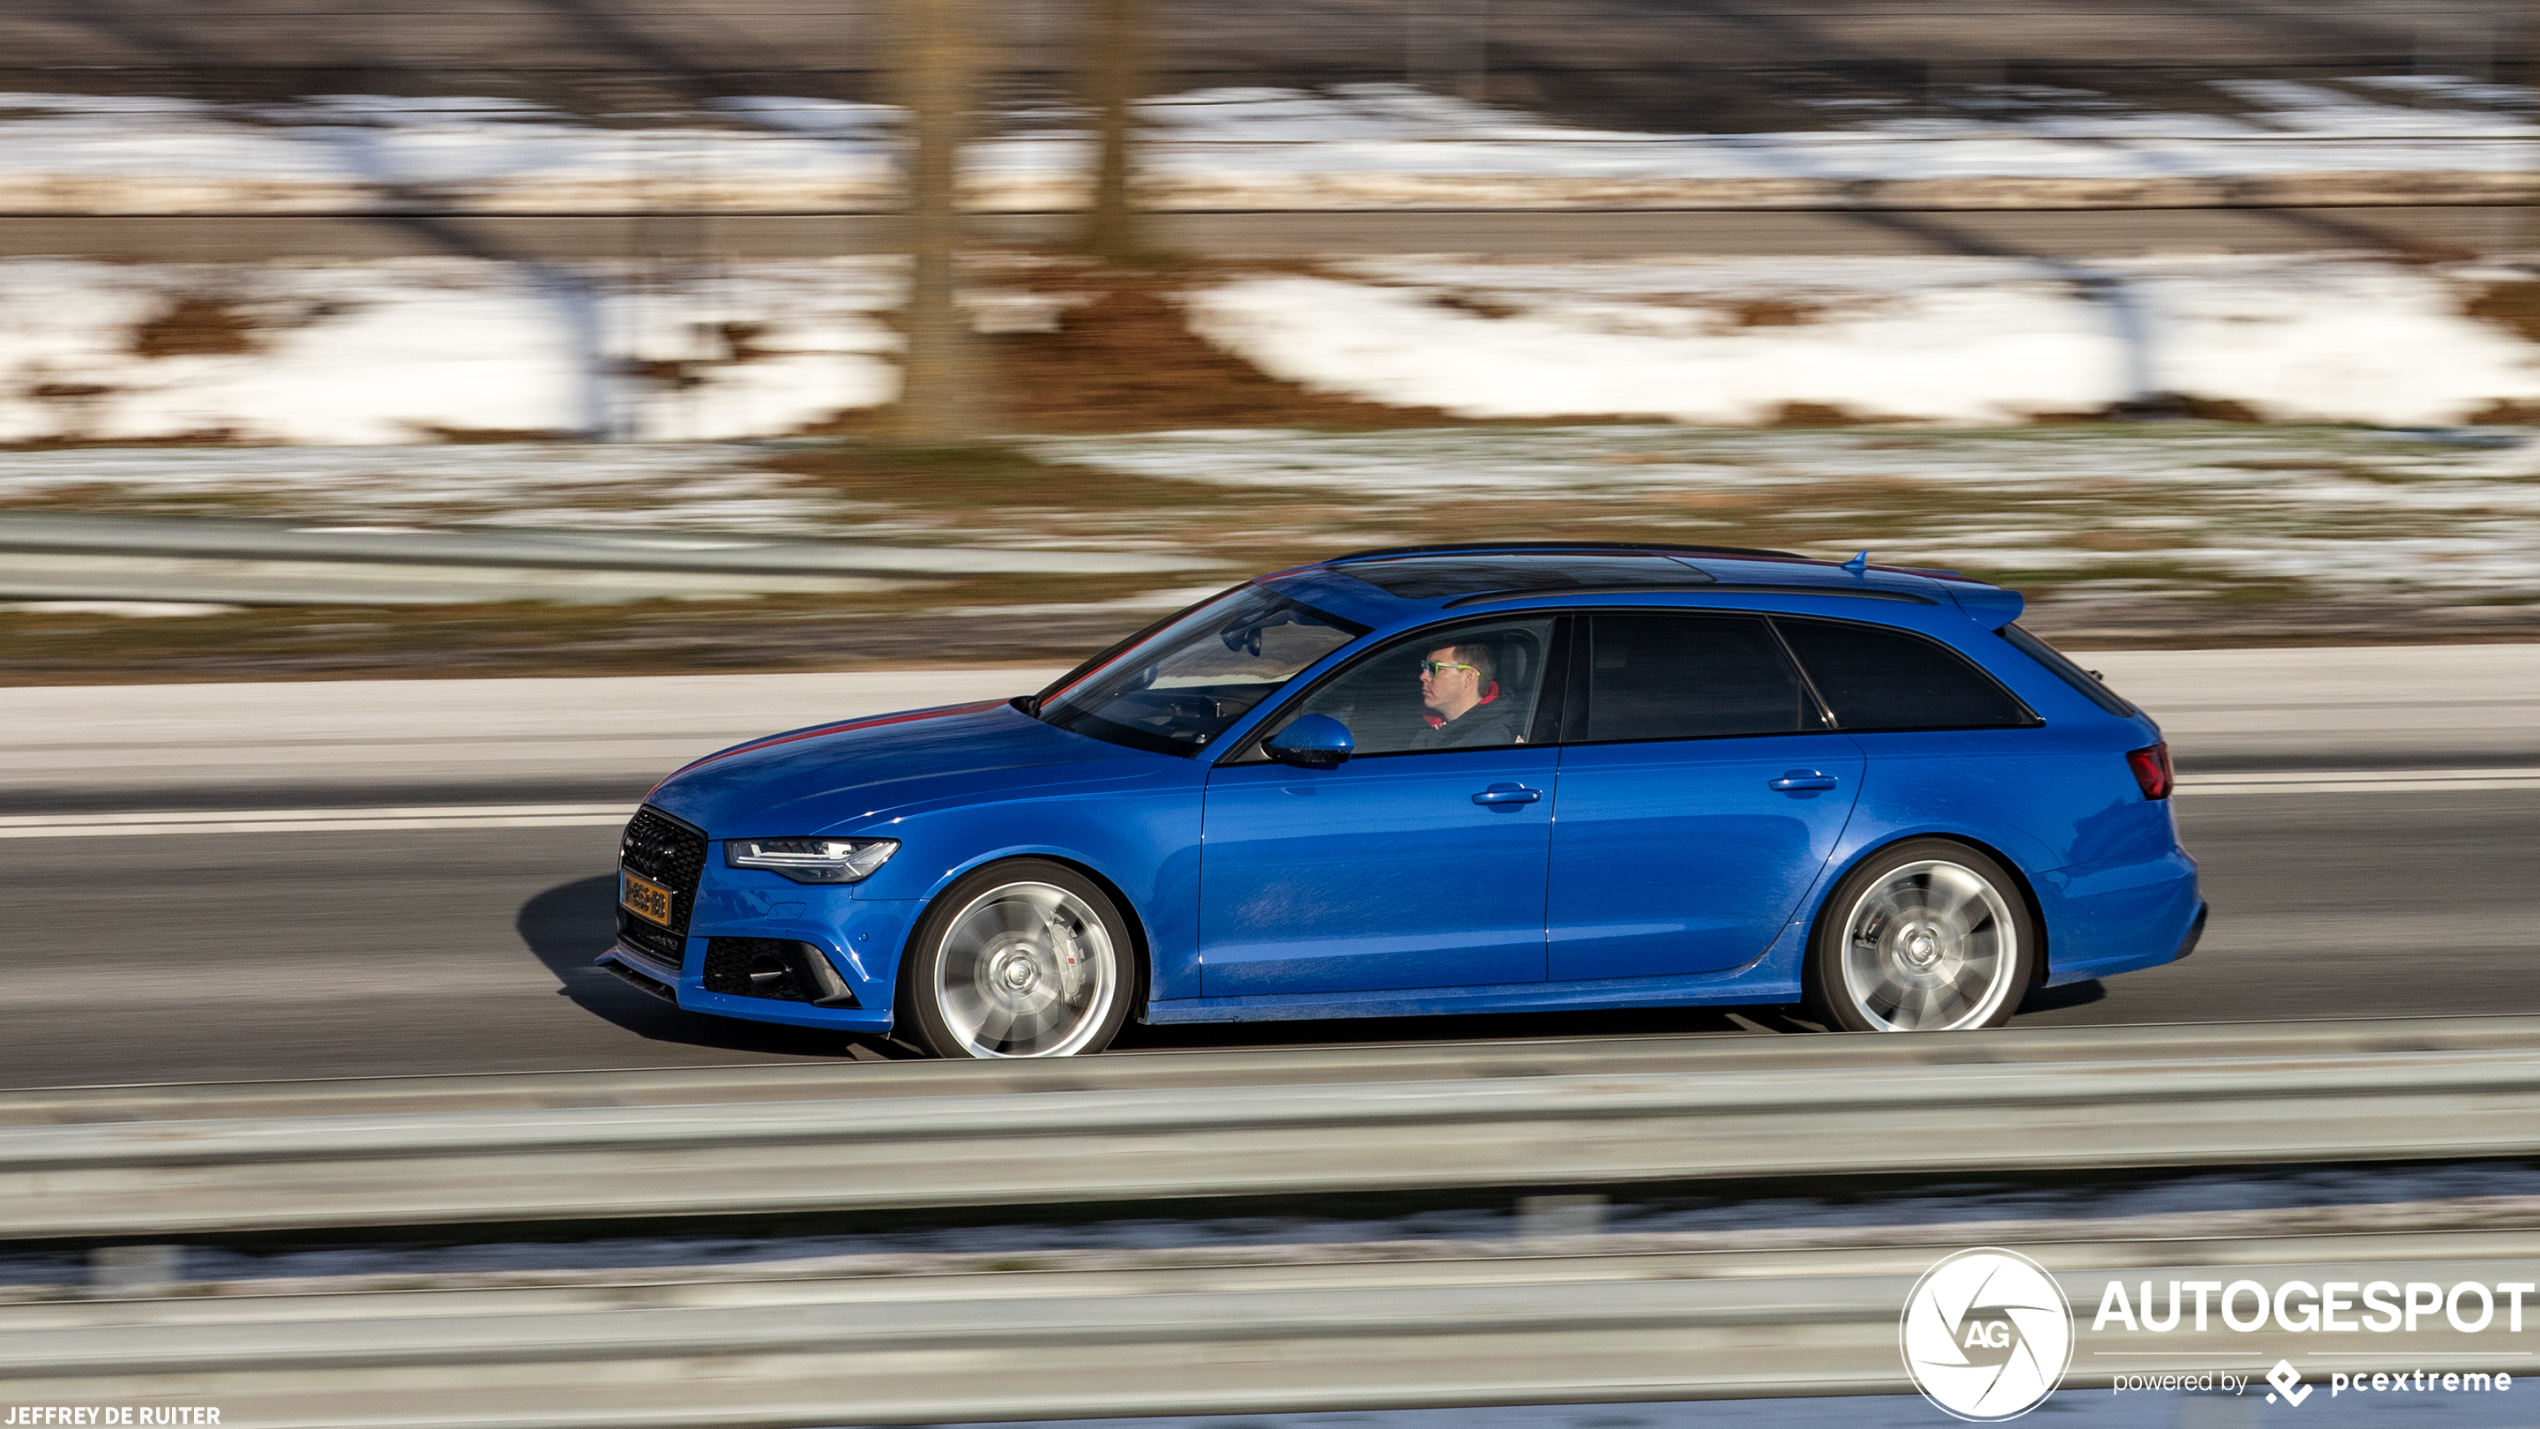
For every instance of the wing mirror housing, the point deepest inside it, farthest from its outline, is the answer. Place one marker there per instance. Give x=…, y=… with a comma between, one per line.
x=1311, y=742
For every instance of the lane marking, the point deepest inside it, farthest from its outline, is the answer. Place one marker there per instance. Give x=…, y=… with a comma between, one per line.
x=2360, y=781
x=313, y=821
x=575, y=816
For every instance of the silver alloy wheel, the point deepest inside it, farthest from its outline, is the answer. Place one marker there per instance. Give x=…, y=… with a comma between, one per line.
x=1929, y=947
x=1026, y=970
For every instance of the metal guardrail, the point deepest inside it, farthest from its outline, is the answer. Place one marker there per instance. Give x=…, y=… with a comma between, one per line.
x=130, y=557
x=1521, y=1058
x=1501, y=1323
x=839, y=1139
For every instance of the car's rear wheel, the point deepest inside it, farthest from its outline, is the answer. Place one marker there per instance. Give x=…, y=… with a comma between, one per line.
x=1020, y=959
x=1927, y=936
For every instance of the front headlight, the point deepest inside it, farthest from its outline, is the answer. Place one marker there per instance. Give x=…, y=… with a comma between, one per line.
x=811, y=860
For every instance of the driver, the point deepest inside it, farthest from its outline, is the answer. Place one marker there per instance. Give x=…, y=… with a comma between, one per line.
x=1460, y=690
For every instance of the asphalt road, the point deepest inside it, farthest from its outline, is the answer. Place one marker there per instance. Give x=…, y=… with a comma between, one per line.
x=253, y=952
x=242, y=956
x=73, y=749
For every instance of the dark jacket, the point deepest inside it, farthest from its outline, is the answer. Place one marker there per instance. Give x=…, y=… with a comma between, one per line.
x=1481, y=727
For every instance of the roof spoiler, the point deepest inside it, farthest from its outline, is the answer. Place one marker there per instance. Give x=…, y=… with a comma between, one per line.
x=1991, y=605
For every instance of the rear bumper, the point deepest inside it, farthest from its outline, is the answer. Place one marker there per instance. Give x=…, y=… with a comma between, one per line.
x=2195, y=933
x=2114, y=917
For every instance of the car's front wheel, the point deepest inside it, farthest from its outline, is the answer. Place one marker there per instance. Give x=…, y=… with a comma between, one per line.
x=1927, y=936
x=1019, y=959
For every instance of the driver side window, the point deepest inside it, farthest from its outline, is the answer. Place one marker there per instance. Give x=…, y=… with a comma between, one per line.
x=1466, y=687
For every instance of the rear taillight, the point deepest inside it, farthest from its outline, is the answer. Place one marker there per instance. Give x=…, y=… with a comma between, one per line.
x=2152, y=770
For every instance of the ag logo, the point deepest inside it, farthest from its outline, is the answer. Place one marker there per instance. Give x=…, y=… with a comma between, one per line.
x=1987, y=1335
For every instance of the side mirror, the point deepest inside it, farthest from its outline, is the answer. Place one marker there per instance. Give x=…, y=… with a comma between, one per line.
x=1311, y=742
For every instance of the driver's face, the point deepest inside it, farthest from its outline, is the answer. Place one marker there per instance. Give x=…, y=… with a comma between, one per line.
x=1447, y=685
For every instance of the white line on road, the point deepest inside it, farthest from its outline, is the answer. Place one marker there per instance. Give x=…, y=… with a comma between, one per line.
x=313, y=821
x=2360, y=781
x=574, y=816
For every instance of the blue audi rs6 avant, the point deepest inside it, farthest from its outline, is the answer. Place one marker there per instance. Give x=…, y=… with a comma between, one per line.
x=1452, y=779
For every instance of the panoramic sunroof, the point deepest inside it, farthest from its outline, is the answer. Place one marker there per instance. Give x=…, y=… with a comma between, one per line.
x=1444, y=577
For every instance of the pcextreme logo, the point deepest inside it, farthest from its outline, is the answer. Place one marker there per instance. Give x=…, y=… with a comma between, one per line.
x=1986, y=1335
x=2288, y=1382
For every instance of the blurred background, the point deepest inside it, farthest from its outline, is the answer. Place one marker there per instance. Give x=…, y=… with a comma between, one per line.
x=545, y=336
x=895, y=352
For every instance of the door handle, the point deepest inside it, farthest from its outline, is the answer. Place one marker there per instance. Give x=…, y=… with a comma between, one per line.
x=1798, y=779
x=1508, y=794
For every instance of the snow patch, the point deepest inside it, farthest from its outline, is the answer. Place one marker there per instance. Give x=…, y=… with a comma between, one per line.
x=394, y=352
x=387, y=353
x=1948, y=340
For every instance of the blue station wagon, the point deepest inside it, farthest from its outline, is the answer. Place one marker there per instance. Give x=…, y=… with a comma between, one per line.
x=1521, y=778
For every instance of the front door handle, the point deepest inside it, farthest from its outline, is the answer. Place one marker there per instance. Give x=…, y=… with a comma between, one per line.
x=1508, y=794
x=1798, y=779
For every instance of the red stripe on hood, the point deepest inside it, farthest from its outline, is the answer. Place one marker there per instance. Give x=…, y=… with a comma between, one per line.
x=874, y=722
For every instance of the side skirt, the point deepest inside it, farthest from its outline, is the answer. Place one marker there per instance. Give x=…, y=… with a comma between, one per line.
x=1769, y=980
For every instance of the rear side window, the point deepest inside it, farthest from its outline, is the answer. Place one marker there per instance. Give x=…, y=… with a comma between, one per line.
x=1690, y=677
x=2062, y=667
x=1877, y=678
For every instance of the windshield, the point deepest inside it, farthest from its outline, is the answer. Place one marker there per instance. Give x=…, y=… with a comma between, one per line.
x=1182, y=686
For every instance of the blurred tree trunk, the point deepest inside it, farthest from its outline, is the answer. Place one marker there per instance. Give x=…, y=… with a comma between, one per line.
x=1116, y=67
x=940, y=399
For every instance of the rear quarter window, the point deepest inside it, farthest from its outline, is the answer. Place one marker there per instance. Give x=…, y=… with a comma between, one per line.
x=1876, y=678
x=2062, y=667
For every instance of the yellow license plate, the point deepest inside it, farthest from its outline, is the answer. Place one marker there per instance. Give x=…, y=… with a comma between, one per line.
x=643, y=897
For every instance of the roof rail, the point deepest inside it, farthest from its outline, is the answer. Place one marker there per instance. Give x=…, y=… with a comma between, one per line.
x=1714, y=588
x=1524, y=547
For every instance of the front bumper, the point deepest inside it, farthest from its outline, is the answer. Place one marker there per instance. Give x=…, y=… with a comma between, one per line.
x=641, y=971
x=856, y=943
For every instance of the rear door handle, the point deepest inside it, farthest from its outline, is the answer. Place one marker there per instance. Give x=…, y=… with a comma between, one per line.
x=1508, y=794
x=1798, y=779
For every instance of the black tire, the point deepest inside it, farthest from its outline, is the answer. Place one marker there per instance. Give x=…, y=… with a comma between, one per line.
x=1024, y=958
x=1928, y=935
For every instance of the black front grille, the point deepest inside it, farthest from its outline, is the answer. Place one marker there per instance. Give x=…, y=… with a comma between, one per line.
x=652, y=938
x=773, y=968
x=668, y=852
